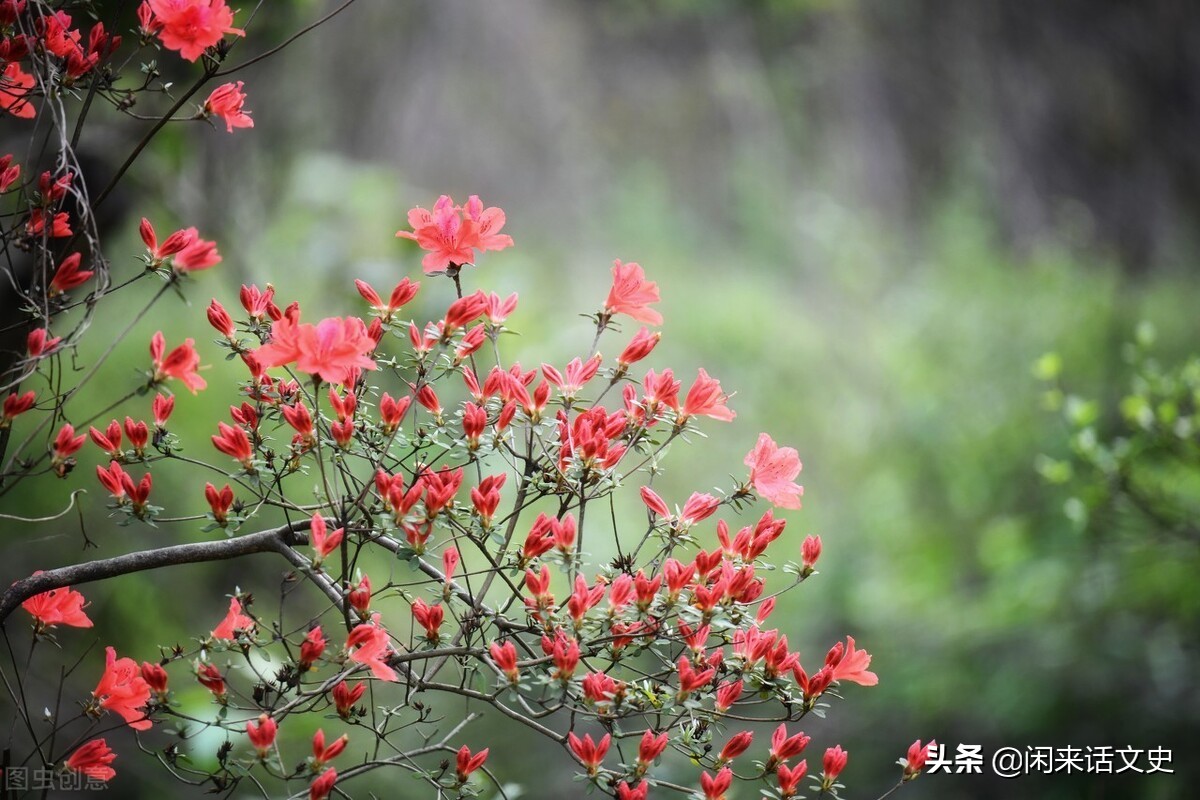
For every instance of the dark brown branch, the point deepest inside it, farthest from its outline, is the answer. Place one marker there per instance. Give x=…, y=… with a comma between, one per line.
x=278, y=540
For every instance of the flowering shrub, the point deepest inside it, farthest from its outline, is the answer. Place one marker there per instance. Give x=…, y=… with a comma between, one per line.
x=492, y=483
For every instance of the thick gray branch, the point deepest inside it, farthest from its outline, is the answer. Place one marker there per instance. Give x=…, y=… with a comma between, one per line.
x=279, y=540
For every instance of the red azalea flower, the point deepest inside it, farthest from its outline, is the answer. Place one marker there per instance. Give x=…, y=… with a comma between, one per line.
x=123, y=691
x=15, y=86
x=714, y=788
x=155, y=677
x=632, y=294
x=39, y=343
x=790, y=777
x=162, y=407
x=916, y=758
x=589, y=752
x=322, y=786
x=640, y=792
x=211, y=678
x=706, y=399
x=833, y=764
x=851, y=664
x=58, y=607
x=173, y=244
x=181, y=363
x=466, y=763
x=428, y=617
x=234, y=621
x=505, y=656
x=66, y=444
x=772, y=472
x=323, y=543
x=191, y=26
x=323, y=753
x=197, y=254
x=650, y=748
x=737, y=744
x=312, y=647
x=784, y=747
x=450, y=239
x=226, y=102
x=344, y=697
x=369, y=645
x=92, y=759
x=14, y=406
x=640, y=346
x=331, y=350
x=9, y=172
x=262, y=734
x=69, y=275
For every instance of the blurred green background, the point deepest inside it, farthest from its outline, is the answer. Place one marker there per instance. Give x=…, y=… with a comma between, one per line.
x=870, y=219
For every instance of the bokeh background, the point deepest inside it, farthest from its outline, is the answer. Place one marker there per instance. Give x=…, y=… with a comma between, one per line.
x=869, y=218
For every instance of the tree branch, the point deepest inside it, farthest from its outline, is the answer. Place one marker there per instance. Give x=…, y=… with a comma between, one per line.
x=279, y=540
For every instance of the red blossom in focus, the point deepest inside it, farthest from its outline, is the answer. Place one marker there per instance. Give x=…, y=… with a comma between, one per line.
x=773, y=470
x=790, y=777
x=917, y=756
x=850, y=664
x=640, y=346
x=323, y=543
x=451, y=234
x=60, y=227
x=163, y=405
x=322, y=753
x=181, y=363
x=369, y=645
x=93, y=759
x=58, y=607
x=466, y=763
x=262, y=734
x=173, y=244
x=191, y=26
x=706, y=399
x=505, y=656
x=589, y=752
x=9, y=172
x=714, y=787
x=330, y=350
x=737, y=744
x=234, y=622
x=123, y=691
x=197, y=254
x=632, y=294
x=833, y=763
x=312, y=647
x=810, y=551
x=784, y=747
x=156, y=678
x=401, y=295
x=69, y=275
x=345, y=696
x=211, y=678
x=226, y=102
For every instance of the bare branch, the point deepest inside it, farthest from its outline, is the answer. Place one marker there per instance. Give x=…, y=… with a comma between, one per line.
x=277, y=540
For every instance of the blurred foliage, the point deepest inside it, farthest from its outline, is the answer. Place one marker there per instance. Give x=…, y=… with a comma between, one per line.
x=1140, y=457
